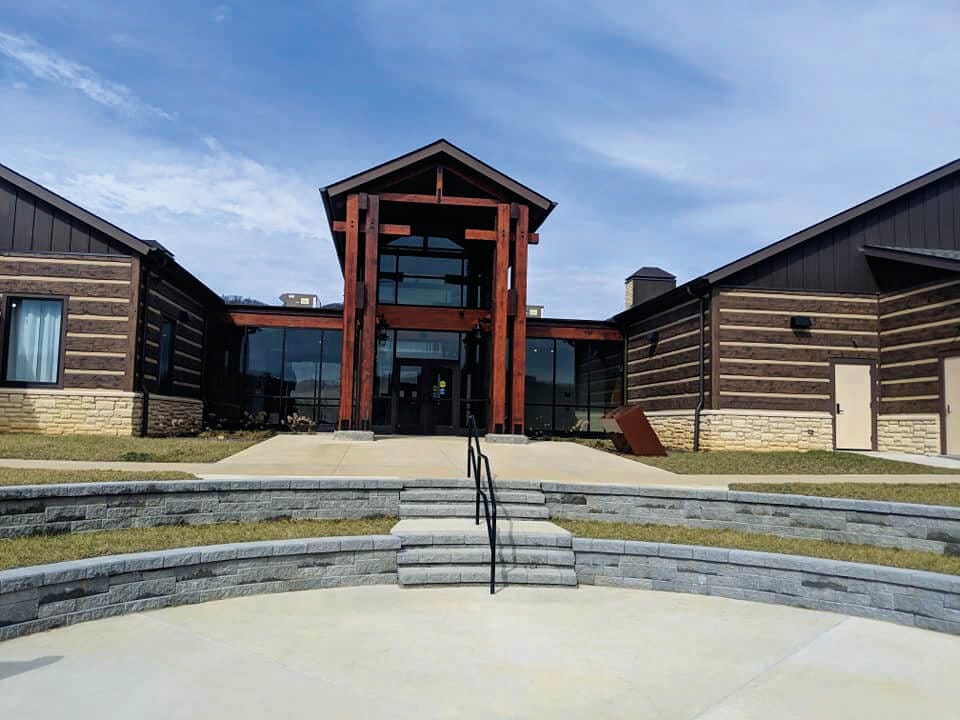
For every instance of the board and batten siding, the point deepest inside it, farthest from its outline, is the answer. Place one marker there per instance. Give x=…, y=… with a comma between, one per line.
x=766, y=365
x=928, y=217
x=917, y=328
x=164, y=301
x=100, y=317
x=664, y=375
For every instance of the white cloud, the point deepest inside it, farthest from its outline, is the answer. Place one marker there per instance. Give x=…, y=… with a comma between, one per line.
x=45, y=64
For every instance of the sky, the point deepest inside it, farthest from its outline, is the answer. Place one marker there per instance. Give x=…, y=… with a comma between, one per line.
x=679, y=135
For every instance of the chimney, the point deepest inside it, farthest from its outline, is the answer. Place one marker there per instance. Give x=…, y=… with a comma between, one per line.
x=645, y=283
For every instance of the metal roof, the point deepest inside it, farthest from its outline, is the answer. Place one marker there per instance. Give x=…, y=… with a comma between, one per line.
x=928, y=257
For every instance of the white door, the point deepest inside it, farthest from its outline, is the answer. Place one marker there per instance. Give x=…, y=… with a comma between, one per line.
x=853, y=400
x=951, y=403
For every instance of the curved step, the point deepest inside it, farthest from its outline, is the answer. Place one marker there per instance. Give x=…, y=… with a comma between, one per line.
x=477, y=554
x=479, y=574
x=468, y=495
x=466, y=510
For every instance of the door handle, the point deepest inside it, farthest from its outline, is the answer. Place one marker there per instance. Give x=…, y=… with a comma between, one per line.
x=839, y=411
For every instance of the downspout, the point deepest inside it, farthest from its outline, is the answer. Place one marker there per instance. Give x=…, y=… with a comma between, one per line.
x=145, y=404
x=701, y=361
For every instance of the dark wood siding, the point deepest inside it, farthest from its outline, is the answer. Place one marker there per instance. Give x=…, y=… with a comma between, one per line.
x=764, y=364
x=917, y=328
x=833, y=262
x=100, y=310
x=28, y=224
x=665, y=375
x=166, y=301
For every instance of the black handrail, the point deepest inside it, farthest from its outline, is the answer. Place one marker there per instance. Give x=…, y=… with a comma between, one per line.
x=478, y=464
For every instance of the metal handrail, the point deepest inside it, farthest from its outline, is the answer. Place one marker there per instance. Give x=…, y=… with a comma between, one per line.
x=478, y=464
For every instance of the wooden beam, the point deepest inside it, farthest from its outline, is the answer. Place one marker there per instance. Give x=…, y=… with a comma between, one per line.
x=473, y=234
x=439, y=183
x=533, y=239
x=385, y=229
x=432, y=200
x=368, y=337
x=518, y=366
x=294, y=320
x=348, y=354
x=432, y=318
x=561, y=332
x=498, y=354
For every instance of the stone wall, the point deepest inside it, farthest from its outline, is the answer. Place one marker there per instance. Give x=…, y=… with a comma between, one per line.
x=745, y=429
x=69, y=412
x=909, y=433
x=174, y=415
x=674, y=428
x=35, y=599
x=911, y=527
x=34, y=509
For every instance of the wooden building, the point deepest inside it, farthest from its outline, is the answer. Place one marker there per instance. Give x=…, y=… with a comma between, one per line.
x=100, y=331
x=845, y=335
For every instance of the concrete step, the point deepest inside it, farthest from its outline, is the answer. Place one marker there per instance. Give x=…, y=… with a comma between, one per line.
x=420, y=532
x=480, y=554
x=468, y=495
x=467, y=510
x=413, y=575
x=467, y=484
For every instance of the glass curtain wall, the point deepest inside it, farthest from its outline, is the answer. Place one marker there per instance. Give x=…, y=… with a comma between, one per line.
x=278, y=377
x=570, y=384
x=433, y=271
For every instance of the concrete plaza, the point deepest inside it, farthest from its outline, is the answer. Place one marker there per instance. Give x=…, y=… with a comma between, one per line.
x=459, y=653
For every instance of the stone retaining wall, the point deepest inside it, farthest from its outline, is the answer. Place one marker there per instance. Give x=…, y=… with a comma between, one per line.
x=912, y=527
x=32, y=509
x=909, y=597
x=40, y=598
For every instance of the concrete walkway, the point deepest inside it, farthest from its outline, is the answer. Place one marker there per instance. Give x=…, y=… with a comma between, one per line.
x=938, y=461
x=319, y=455
x=384, y=652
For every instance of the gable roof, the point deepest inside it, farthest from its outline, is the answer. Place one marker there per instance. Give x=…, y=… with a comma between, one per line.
x=702, y=282
x=119, y=235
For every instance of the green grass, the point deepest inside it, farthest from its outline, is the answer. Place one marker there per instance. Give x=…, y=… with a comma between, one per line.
x=738, y=540
x=744, y=462
x=42, y=549
x=918, y=493
x=33, y=476
x=124, y=449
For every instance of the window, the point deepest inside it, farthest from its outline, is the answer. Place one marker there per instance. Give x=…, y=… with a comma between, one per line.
x=165, y=371
x=432, y=271
x=33, y=341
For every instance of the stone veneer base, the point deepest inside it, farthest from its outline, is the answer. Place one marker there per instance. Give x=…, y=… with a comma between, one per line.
x=169, y=415
x=69, y=412
x=745, y=429
x=909, y=433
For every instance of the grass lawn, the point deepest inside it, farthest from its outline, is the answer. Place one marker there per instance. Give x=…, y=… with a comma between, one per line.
x=736, y=539
x=124, y=449
x=919, y=493
x=41, y=549
x=744, y=462
x=30, y=476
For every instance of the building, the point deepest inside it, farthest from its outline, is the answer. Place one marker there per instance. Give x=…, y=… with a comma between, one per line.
x=843, y=335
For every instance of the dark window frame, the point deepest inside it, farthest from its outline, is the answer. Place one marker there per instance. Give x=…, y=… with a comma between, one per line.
x=5, y=329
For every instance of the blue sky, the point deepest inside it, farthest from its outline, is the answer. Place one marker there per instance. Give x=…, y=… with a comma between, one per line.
x=671, y=134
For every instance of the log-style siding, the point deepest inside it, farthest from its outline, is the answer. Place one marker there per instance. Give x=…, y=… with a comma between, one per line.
x=665, y=375
x=165, y=301
x=917, y=328
x=764, y=364
x=100, y=310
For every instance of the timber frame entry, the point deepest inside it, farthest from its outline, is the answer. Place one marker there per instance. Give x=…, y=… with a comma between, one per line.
x=436, y=190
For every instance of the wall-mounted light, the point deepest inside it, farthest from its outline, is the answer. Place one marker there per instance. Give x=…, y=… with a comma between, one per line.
x=654, y=337
x=382, y=329
x=477, y=332
x=801, y=322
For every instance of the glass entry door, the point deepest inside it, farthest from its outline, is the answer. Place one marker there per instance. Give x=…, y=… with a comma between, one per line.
x=427, y=393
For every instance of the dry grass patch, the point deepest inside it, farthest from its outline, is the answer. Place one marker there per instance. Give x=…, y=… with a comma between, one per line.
x=737, y=540
x=917, y=493
x=32, y=476
x=42, y=549
x=208, y=448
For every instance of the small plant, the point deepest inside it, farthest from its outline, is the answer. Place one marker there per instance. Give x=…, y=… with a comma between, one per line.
x=299, y=423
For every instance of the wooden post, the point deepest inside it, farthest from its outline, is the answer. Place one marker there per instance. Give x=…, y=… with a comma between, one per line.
x=368, y=337
x=498, y=354
x=352, y=242
x=518, y=365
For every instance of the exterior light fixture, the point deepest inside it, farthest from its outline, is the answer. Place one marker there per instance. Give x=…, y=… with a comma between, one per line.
x=382, y=329
x=801, y=322
x=477, y=332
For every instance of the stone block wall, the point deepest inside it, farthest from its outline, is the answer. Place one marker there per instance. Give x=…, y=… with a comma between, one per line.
x=69, y=412
x=29, y=510
x=908, y=597
x=35, y=599
x=909, y=527
x=765, y=430
x=174, y=415
x=674, y=428
x=909, y=433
